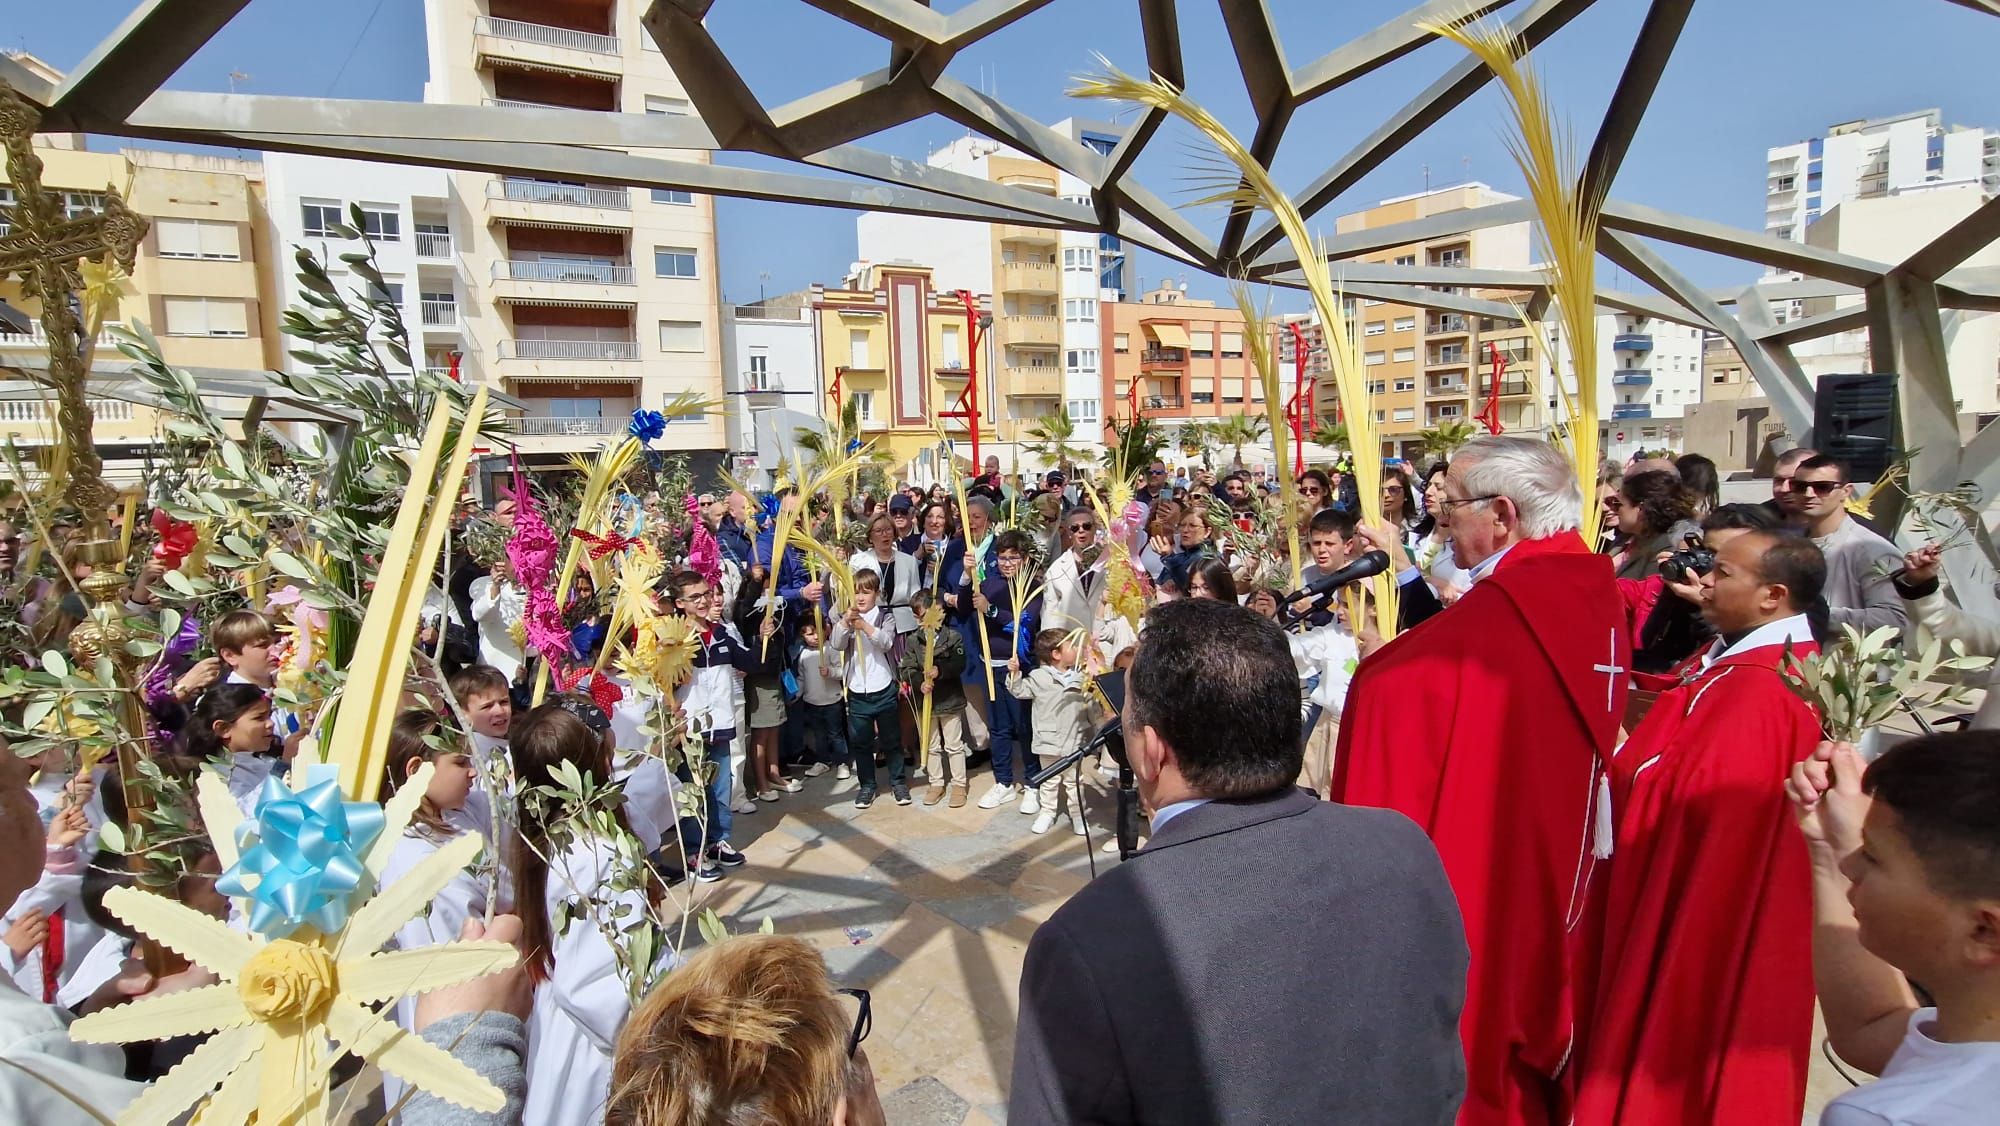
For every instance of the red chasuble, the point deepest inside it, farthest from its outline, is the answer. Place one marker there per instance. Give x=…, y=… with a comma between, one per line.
x=1491, y=725
x=1704, y=1004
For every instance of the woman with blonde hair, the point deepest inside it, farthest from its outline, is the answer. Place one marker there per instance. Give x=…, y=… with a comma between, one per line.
x=748, y=1032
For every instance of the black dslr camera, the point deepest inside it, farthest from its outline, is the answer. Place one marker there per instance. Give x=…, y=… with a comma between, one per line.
x=1690, y=562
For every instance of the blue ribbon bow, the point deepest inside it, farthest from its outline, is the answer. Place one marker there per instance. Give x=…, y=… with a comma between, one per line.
x=647, y=426
x=306, y=855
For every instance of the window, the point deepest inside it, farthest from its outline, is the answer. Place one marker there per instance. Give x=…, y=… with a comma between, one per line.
x=1202, y=345
x=1381, y=416
x=674, y=196
x=1406, y=385
x=1405, y=414
x=1082, y=411
x=320, y=219
x=1079, y=259
x=864, y=404
x=1203, y=398
x=1406, y=324
x=192, y=238
x=1454, y=257
x=6, y=206
x=206, y=316
x=1405, y=355
x=382, y=223
x=673, y=262
x=1375, y=328
x=1407, y=260
x=444, y=298
x=1082, y=361
x=576, y=408
x=1450, y=410
x=1373, y=358
x=1659, y=398
x=1232, y=345
x=680, y=336
x=667, y=106
x=1121, y=343
x=78, y=204
x=857, y=348
x=1079, y=309
x=950, y=355
x=389, y=291
x=1232, y=391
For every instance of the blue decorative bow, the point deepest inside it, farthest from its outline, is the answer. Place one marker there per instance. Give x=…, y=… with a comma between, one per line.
x=853, y=444
x=647, y=426
x=306, y=854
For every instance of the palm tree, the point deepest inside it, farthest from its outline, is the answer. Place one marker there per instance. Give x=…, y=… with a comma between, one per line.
x=1133, y=445
x=1442, y=439
x=1193, y=439
x=1239, y=430
x=1050, y=437
x=1330, y=434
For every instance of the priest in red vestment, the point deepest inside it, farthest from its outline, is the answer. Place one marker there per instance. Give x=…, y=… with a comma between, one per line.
x=1491, y=725
x=1704, y=1000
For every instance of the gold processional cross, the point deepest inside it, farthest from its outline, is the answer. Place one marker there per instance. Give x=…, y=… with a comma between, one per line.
x=44, y=249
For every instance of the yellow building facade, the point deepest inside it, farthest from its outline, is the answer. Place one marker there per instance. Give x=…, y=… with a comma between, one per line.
x=904, y=352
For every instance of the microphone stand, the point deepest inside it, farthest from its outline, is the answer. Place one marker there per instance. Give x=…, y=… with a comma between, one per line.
x=1128, y=790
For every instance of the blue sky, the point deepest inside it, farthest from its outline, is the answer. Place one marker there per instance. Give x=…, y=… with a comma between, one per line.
x=1749, y=74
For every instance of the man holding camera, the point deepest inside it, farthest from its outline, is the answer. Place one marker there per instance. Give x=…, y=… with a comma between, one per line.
x=1196, y=983
x=1704, y=1003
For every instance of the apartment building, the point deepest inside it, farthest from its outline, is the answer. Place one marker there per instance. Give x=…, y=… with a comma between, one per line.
x=1049, y=286
x=586, y=301
x=1724, y=375
x=1175, y=359
x=1649, y=373
x=901, y=349
x=405, y=211
x=194, y=284
x=770, y=373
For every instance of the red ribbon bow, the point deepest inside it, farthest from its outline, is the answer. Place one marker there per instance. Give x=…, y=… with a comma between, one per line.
x=601, y=546
x=177, y=540
x=602, y=691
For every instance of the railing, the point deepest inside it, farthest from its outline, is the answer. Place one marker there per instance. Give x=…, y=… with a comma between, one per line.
x=1447, y=324
x=1633, y=341
x=575, y=195
x=1631, y=410
x=37, y=411
x=1448, y=387
x=1451, y=261
x=1162, y=402
x=521, y=31
x=438, y=373
x=571, y=349
x=1634, y=377
x=1448, y=356
x=1033, y=276
x=1507, y=387
x=1171, y=357
x=443, y=313
x=587, y=273
x=430, y=245
x=37, y=339
x=565, y=427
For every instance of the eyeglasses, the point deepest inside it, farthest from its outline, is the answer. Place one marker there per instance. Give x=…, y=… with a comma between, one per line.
x=1080, y=529
x=1820, y=488
x=1448, y=504
x=864, y=1021
x=1397, y=489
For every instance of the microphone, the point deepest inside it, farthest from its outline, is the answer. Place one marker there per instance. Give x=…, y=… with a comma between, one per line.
x=1366, y=565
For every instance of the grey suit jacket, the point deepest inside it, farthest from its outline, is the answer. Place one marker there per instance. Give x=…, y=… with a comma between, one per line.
x=1274, y=960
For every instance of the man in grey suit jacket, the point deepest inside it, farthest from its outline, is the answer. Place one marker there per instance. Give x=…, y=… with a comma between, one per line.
x=1269, y=958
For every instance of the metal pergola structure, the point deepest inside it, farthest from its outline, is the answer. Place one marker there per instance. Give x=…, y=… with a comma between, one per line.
x=116, y=91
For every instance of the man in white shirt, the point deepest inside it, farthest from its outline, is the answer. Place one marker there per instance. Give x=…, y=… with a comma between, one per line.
x=1859, y=563
x=1906, y=887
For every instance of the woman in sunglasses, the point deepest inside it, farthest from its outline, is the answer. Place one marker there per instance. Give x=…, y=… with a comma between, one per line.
x=1075, y=573
x=748, y=1030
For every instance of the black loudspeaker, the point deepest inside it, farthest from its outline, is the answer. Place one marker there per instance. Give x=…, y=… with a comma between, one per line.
x=1855, y=420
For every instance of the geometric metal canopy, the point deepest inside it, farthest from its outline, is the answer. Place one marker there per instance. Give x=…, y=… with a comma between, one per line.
x=116, y=91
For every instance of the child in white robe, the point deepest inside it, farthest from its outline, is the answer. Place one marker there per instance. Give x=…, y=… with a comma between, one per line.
x=70, y=812
x=231, y=729
x=586, y=880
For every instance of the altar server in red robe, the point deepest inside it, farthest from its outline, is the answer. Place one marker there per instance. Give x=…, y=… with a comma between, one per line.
x=1704, y=1002
x=1491, y=725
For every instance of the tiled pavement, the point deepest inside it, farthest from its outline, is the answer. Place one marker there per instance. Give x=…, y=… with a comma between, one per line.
x=931, y=910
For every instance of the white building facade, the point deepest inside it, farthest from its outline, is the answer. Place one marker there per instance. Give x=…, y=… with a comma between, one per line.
x=770, y=374
x=1649, y=372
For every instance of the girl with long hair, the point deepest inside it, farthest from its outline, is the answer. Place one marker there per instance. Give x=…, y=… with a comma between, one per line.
x=231, y=726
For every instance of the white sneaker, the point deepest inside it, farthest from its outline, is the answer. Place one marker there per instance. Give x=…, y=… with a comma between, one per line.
x=1031, y=802
x=1075, y=824
x=745, y=806
x=817, y=769
x=768, y=795
x=999, y=795
x=793, y=785
x=1045, y=822
x=1111, y=845
x=1108, y=773
x=843, y=772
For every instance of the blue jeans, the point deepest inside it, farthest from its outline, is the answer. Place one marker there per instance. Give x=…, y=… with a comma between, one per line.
x=825, y=733
x=1007, y=723
x=718, y=797
x=873, y=724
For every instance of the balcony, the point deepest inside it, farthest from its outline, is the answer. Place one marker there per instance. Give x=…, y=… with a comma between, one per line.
x=1447, y=326
x=1024, y=331
x=524, y=200
x=41, y=412
x=540, y=426
x=1509, y=388
x=1634, y=377
x=1029, y=277
x=543, y=46
x=1151, y=403
x=431, y=245
x=439, y=314
x=1446, y=358
x=1163, y=358
x=1032, y=383
x=1450, y=388
x=1016, y=232
x=583, y=350
x=36, y=340
x=952, y=369
x=1631, y=410
x=1632, y=342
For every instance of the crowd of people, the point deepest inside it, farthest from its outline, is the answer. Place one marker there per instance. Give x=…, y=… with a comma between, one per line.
x=1596, y=906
